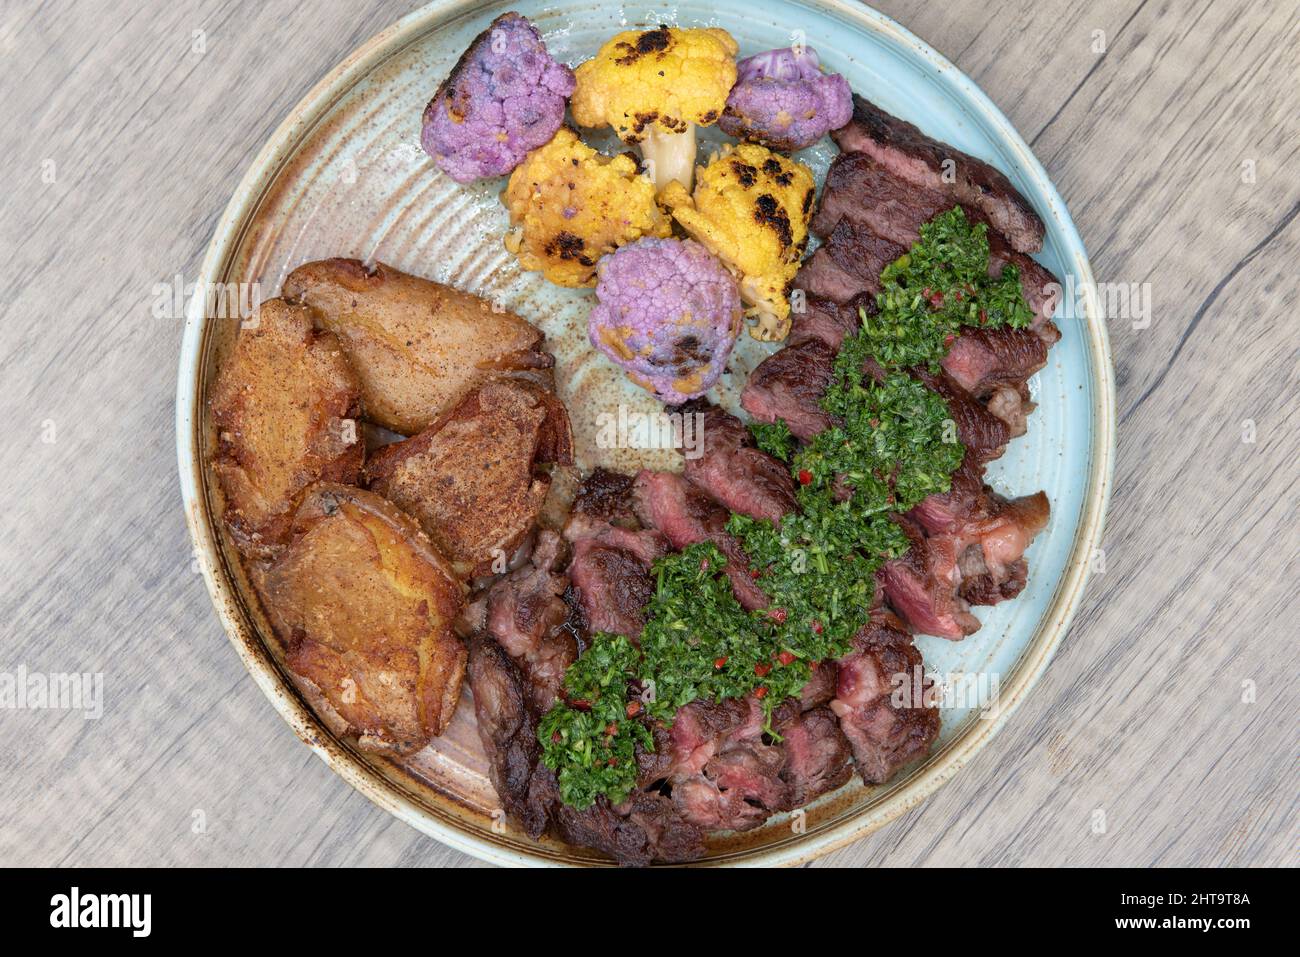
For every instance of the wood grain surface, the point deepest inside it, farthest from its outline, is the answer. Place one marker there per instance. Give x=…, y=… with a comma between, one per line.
x=1170, y=711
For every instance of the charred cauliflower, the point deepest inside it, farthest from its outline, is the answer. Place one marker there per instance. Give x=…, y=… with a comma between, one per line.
x=570, y=205
x=751, y=209
x=654, y=87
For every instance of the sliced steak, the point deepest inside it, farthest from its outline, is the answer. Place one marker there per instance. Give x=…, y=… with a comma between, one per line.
x=947, y=511
x=922, y=586
x=508, y=730
x=527, y=615
x=789, y=384
x=739, y=475
x=861, y=190
x=685, y=514
x=848, y=263
x=919, y=159
x=982, y=432
x=883, y=733
x=981, y=360
x=826, y=320
x=817, y=755
x=993, y=544
x=606, y=495
x=642, y=830
x=610, y=570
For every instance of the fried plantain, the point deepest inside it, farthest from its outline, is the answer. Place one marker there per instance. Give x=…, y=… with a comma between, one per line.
x=363, y=605
x=285, y=405
x=418, y=346
x=471, y=478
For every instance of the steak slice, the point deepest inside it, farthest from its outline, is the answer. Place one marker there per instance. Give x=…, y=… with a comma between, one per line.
x=789, y=384
x=980, y=360
x=508, y=730
x=919, y=159
x=739, y=475
x=922, y=586
x=982, y=432
x=527, y=615
x=863, y=191
x=685, y=514
x=817, y=755
x=826, y=320
x=883, y=733
x=610, y=569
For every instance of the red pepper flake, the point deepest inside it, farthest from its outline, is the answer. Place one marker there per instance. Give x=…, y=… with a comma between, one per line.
x=875, y=423
x=984, y=316
x=760, y=692
x=949, y=339
x=936, y=300
x=612, y=762
x=805, y=477
x=633, y=708
x=580, y=704
x=778, y=615
x=755, y=574
x=761, y=670
x=719, y=662
x=611, y=729
x=704, y=565
x=786, y=657
x=817, y=627
x=555, y=737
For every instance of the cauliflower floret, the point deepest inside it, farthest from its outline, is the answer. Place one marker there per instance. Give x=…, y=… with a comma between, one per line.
x=668, y=314
x=570, y=205
x=504, y=97
x=654, y=87
x=751, y=208
x=782, y=99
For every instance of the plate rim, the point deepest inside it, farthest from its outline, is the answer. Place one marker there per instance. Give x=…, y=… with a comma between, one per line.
x=1049, y=632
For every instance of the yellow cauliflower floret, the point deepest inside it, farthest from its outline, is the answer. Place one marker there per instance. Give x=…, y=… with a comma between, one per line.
x=654, y=87
x=570, y=205
x=751, y=209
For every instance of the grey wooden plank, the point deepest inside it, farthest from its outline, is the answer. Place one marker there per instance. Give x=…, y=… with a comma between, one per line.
x=1140, y=715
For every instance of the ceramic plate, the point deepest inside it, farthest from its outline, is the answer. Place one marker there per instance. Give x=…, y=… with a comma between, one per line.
x=345, y=176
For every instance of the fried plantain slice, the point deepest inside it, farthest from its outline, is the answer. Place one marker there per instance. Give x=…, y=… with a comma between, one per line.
x=363, y=605
x=471, y=478
x=285, y=405
x=417, y=345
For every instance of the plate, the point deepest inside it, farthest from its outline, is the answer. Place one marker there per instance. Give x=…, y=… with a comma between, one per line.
x=344, y=176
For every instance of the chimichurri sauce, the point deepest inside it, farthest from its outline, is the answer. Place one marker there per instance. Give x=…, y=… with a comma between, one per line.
x=892, y=445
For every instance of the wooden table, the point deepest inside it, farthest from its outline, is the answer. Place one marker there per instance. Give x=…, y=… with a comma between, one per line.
x=1170, y=129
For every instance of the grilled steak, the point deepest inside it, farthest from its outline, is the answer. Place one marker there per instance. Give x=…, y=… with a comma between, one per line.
x=884, y=735
x=982, y=432
x=789, y=385
x=862, y=191
x=528, y=617
x=610, y=570
x=685, y=514
x=742, y=477
x=817, y=755
x=508, y=729
x=826, y=320
x=919, y=159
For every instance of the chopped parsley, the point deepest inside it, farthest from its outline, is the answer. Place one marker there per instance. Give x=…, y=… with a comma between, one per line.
x=941, y=284
x=892, y=444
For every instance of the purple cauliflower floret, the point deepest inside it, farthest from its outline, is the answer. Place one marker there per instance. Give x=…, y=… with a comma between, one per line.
x=784, y=101
x=668, y=313
x=505, y=96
